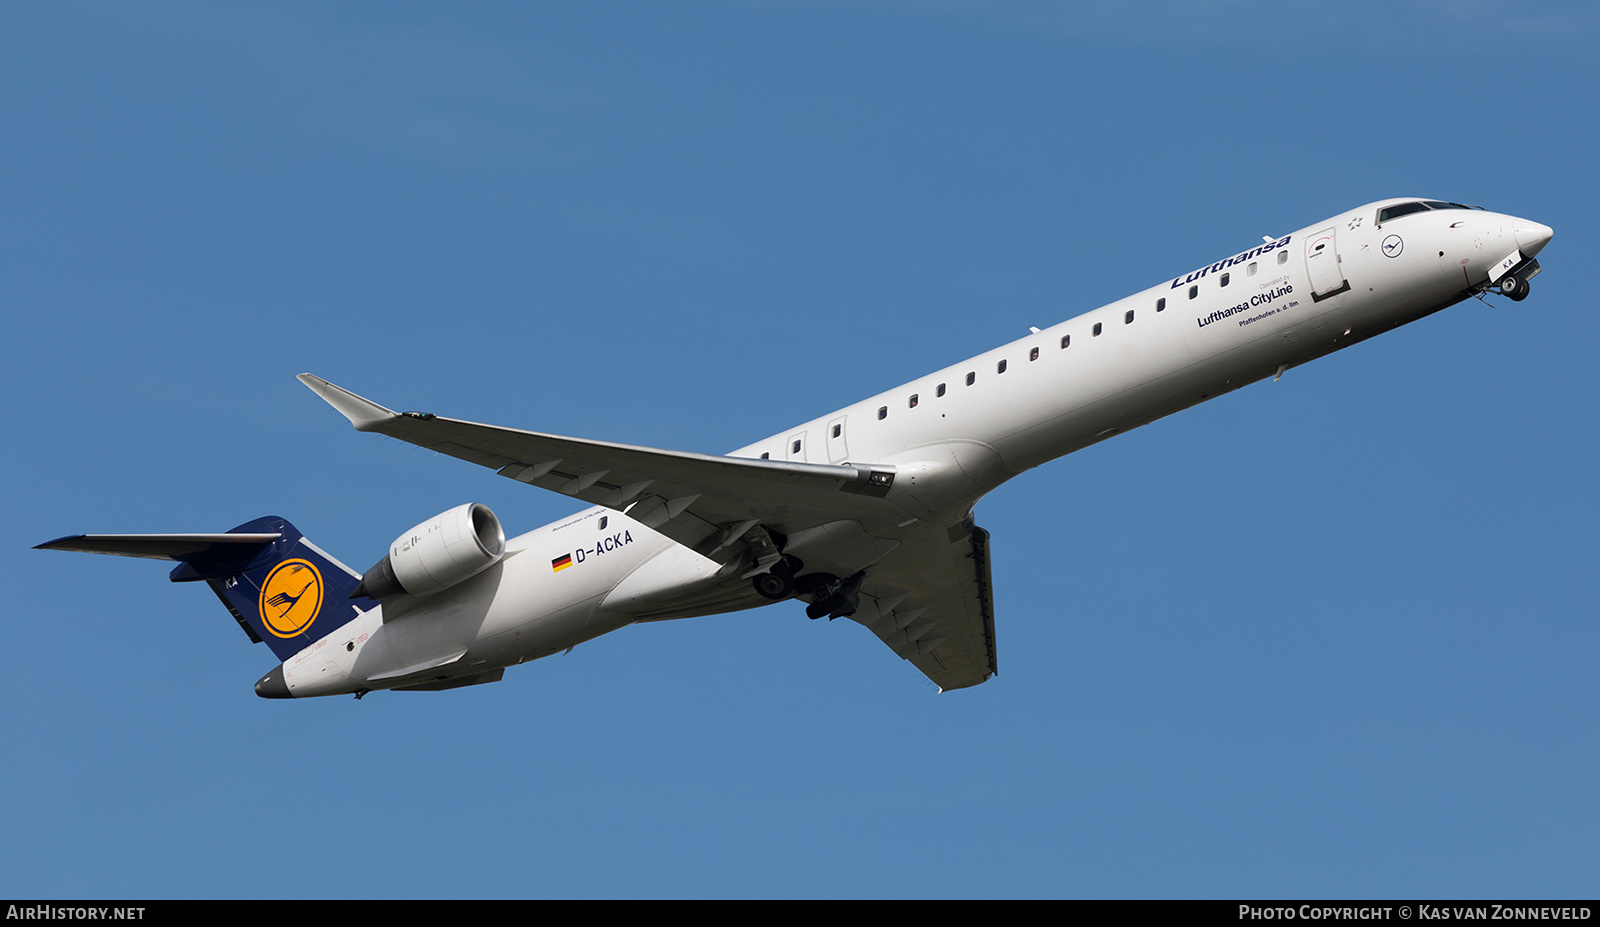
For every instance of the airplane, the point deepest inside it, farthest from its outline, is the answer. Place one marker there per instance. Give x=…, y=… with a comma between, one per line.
x=865, y=513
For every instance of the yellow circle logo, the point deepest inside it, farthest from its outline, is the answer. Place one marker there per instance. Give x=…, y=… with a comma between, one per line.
x=291, y=597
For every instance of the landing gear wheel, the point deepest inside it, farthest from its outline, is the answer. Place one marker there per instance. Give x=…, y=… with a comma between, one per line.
x=777, y=584
x=1514, y=287
x=837, y=599
x=774, y=585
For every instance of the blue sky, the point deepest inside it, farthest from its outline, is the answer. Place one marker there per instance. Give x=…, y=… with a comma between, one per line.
x=1325, y=637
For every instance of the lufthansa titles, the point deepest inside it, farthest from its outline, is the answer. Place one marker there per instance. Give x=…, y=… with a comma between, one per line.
x=1265, y=298
x=1229, y=262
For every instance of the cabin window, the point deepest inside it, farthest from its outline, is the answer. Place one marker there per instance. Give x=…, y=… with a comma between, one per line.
x=1097, y=327
x=971, y=378
x=766, y=455
x=1127, y=319
x=1000, y=367
x=939, y=391
x=1283, y=257
x=1161, y=304
x=837, y=429
x=603, y=520
x=1251, y=270
x=1033, y=354
x=883, y=412
x=795, y=449
x=913, y=403
x=1224, y=280
x=1065, y=340
x=1194, y=291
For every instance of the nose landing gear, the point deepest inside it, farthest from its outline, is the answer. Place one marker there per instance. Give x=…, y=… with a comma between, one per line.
x=1514, y=287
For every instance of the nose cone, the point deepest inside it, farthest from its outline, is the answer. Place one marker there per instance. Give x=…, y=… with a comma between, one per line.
x=1531, y=236
x=272, y=685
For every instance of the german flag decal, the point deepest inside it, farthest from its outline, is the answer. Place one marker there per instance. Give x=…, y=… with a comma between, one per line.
x=561, y=563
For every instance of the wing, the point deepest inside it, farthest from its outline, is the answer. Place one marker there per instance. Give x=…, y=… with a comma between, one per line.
x=930, y=600
x=926, y=593
x=703, y=502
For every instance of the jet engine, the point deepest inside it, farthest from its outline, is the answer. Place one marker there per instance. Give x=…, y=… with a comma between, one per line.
x=437, y=554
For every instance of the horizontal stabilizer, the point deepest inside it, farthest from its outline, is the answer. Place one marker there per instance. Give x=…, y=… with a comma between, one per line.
x=282, y=589
x=180, y=547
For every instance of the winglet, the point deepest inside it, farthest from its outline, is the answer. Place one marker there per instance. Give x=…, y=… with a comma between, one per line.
x=363, y=413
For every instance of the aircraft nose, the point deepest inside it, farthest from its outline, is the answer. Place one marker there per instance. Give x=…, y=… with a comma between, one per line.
x=1531, y=236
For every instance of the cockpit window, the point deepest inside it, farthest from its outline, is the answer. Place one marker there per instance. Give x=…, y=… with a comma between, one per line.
x=1435, y=204
x=1401, y=209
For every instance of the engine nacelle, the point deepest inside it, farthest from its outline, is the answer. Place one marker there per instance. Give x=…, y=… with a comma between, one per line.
x=437, y=554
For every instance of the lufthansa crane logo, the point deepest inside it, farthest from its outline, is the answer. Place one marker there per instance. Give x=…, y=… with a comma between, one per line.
x=291, y=597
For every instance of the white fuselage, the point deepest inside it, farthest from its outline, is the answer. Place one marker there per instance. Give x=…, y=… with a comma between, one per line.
x=955, y=434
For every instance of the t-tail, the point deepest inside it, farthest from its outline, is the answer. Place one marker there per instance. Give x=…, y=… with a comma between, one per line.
x=283, y=590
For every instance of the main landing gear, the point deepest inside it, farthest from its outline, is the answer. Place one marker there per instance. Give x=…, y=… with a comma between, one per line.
x=836, y=598
x=777, y=583
x=830, y=595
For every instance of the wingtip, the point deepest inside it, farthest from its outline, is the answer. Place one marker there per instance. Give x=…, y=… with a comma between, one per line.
x=363, y=413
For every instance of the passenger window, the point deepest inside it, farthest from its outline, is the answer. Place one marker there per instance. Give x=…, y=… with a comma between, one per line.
x=766, y=455
x=796, y=448
x=1194, y=291
x=1000, y=367
x=883, y=412
x=1224, y=280
x=913, y=400
x=1283, y=257
x=1251, y=270
x=1097, y=328
x=1065, y=340
x=1161, y=304
x=1033, y=354
x=1128, y=318
x=603, y=520
x=939, y=391
x=836, y=430
x=971, y=378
